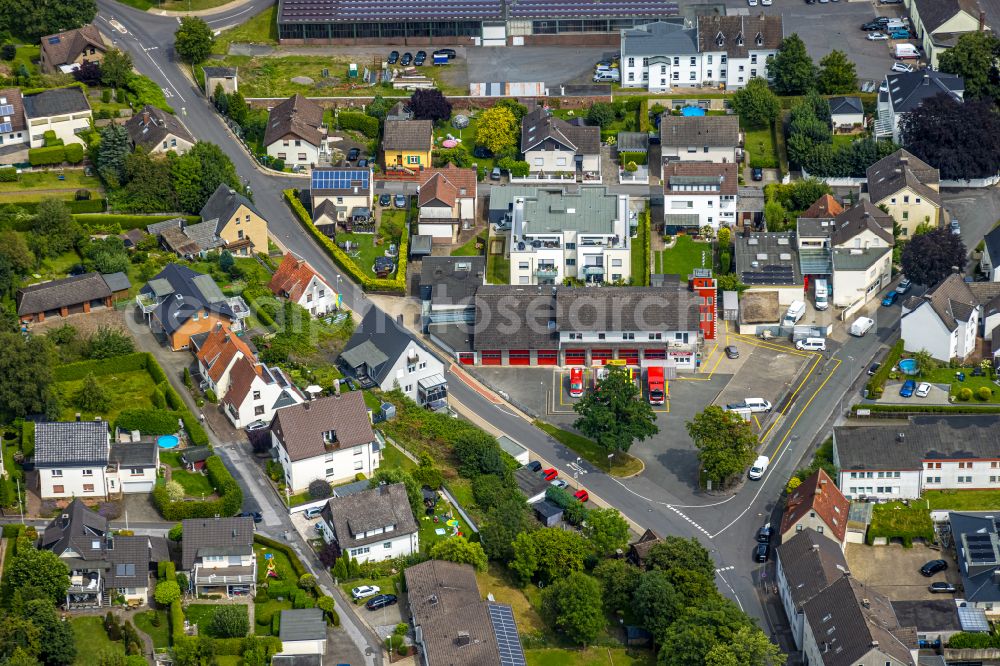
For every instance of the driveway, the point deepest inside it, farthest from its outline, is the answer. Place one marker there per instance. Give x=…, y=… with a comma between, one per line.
x=977, y=211
x=553, y=65
x=895, y=571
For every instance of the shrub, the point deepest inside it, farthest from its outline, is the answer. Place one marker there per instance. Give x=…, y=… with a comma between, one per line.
x=28, y=438
x=176, y=532
x=401, y=629
x=632, y=156
x=106, y=95
x=104, y=366
x=319, y=489
x=74, y=153
x=176, y=621
x=984, y=393
x=276, y=624
x=230, y=622
x=148, y=421
x=187, y=378
x=210, y=396
x=354, y=120
x=965, y=394
x=175, y=491
x=47, y=156
x=307, y=582
x=157, y=399
x=8, y=175
x=167, y=592
x=278, y=165
x=876, y=384
x=8, y=52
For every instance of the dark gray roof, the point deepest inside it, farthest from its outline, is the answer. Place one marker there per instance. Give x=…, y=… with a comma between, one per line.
x=71, y=444
x=908, y=90
x=687, y=131
x=55, y=102
x=130, y=557
x=937, y=437
x=451, y=280
x=863, y=216
x=152, y=125
x=902, y=169
x=596, y=309
x=810, y=562
x=659, y=39
x=134, y=454
x=775, y=255
x=350, y=488
x=61, y=293
x=992, y=241
x=297, y=660
x=541, y=131
x=218, y=535
x=846, y=105
x=378, y=337
x=408, y=135
x=928, y=615
x=196, y=454
x=371, y=509
x=952, y=300
x=529, y=483
x=197, y=292
x=219, y=72
x=300, y=428
x=352, y=11
x=935, y=13
x=632, y=142
x=77, y=528
x=547, y=509
x=222, y=205
x=978, y=578
x=302, y=624
x=737, y=35
x=529, y=311
x=118, y=281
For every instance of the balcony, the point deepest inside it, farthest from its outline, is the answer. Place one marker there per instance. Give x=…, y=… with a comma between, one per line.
x=550, y=272
x=146, y=302
x=88, y=582
x=593, y=270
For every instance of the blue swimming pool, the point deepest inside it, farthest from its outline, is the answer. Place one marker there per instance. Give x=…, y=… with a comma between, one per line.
x=692, y=111
x=167, y=441
x=908, y=366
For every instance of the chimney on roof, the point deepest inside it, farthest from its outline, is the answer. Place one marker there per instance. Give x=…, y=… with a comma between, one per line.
x=815, y=546
x=865, y=603
x=305, y=405
x=462, y=638
x=903, y=159
x=232, y=192
x=145, y=117
x=982, y=21
x=927, y=79
x=874, y=643
x=900, y=436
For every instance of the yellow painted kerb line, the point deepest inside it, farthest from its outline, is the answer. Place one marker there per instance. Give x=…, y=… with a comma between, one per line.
x=819, y=388
x=794, y=393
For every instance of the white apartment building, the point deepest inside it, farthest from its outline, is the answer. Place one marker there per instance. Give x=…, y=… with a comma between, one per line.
x=584, y=235
x=659, y=56
x=372, y=525
x=698, y=195
x=944, y=321
x=553, y=146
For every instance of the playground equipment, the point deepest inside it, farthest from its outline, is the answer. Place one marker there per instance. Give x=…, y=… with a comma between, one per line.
x=271, y=569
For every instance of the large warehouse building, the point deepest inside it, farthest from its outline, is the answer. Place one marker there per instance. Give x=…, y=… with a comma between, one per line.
x=464, y=22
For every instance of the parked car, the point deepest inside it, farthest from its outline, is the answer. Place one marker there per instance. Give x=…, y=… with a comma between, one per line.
x=482, y=152
x=550, y=473
x=420, y=58
x=873, y=26
x=582, y=495
x=764, y=534
x=811, y=344
x=365, y=591
x=257, y=517
x=900, y=34
x=877, y=37
x=907, y=389
x=393, y=58
x=256, y=425
x=873, y=368
x=762, y=552
x=558, y=483
x=353, y=154
x=757, y=174
x=495, y=174
x=534, y=466
x=956, y=228
x=381, y=601
x=890, y=2
x=923, y=390
x=363, y=162
x=765, y=3
x=758, y=468
x=901, y=67
x=890, y=298
x=447, y=52
x=752, y=3
x=384, y=200
x=732, y=351
x=406, y=59
x=903, y=286
x=313, y=512
x=933, y=567
x=399, y=201
x=941, y=586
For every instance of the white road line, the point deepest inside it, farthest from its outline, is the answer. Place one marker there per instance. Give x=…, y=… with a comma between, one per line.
x=729, y=568
x=735, y=596
x=672, y=507
x=160, y=69
x=231, y=16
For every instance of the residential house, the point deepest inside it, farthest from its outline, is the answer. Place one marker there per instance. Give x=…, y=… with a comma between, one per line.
x=531, y=485
x=903, y=92
x=939, y=24
x=217, y=353
x=237, y=221
x=768, y=261
x=700, y=138
x=102, y=566
x=217, y=556
x=220, y=76
x=373, y=525
x=68, y=296
x=936, y=621
x=179, y=303
x=302, y=631
x=819, y=505
x=698, y=195
x=65, y=51
x=807, y=562
x=944, y=321
x=583, y=235
x=341, y=196
x=660, y=55
x=329, y=438
x=77, y=459
x=452, y=622
x=448, y=287
x=297, y=660
x=447, y=201
x=989, y=263
x=64, y=111
x=977, y=548
x=850, y=623
x=295, y=133
x=298, y=282
x=900, y=461
x=737, y=48
x=399, y=111
x=988, y=296
x=638, y=550
x=552, y=146
x=846, y=113
x=13, y=125
x=382, y=353
x=157, y=132
x=407, y=144
x=908, y=187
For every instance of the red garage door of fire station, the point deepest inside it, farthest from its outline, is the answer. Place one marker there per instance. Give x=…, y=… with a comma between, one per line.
x=491, y=357
x=576, y=357
x=547, y=356
x=519, y=357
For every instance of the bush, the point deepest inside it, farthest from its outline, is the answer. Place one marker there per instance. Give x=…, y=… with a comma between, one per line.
x=8, y=52
x=984, y=393
x=28, y=438
x=175, y=491
x=74, y=153
x=230, y=622
x=148, y=421
x=176, y=532
x=278, y=165
x=156, y=397
x=965, y=394
x=210, y=396
x=876, y=384
x=167, y=592
x=104, y=366
x=176, y=621
x=106, y=95
x=47, y=156
x=354, y=120
x=8, y=175
x=276, y=624
x=319, y=489
x=632, y=156
x=187, y=378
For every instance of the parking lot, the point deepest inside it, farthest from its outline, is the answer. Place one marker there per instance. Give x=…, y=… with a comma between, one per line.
x=895, y=571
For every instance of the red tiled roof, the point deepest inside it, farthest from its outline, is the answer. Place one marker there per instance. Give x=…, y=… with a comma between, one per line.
x=219, y=349
x=823, y=208
x=292, y=277
x=446, y=184
x=241, y=381
x=820, y=494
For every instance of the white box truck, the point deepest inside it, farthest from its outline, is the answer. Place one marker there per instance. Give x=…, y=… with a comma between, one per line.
x=822, y=295
x=795, y=312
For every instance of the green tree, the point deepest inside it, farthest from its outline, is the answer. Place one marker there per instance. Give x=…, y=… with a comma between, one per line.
x=747, y=647
x=111, y=153
x=398, y=475
x=601, y=114
x=32, y=20
x=226, y=261
x=618, y=581
x=194, y=651
x=793, y=70
x=198, y=173
x=726, y=444
x=18, y=634
x=41, y=569
x=756, y=104
x=519, y=110
x=193, y=40
x=675, y=552
x=497, y=129
x=92, y=397
x=108, y=342
x=614, y=414
x=460, y=550
x=21, y=657
x=837, y=75
x=237, y=106
x=167, y=592
x=930, y=258
x=56, y=639
x=15, y=249
x=229, y=621
x=502, y=523
x=107, y=255
x=606, y=530
x=572, y=605
x=378, y=107
x=55, y=231
x=175, y=491
x=925, y=362
x=974, y=58
x=26, y=381
x=698, y=630
x=149, y=187
x=116, y=68
x=656, y=602
x=548, y=553
x=774, y=216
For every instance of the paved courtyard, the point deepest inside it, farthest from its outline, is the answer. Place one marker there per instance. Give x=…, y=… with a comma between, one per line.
x=895, y=571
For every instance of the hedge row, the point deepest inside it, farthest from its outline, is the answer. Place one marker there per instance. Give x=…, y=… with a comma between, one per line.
x=196, y=432
x=624, y=157
x=646, y=231
x=106, y=366
x=929, y=409
x=73, y=153
x=394, y=286
x=28, y=439
x=124, y=222
x=877, y=383
x=293, y=558
x=237, y=646
x=354, y=120
x=148, y=421
x=75, y=207
x=228, y=504
x=177, y=621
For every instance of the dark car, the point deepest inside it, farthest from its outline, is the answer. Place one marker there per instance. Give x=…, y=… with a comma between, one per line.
x=406, y=59
x=873, y=368
x=381, y=601
x=764, y=534
x=933, y=567
x=257, y=517
x=400, y=201
x=757, y=173
x=872, y=26
x=393, y=58
x=362, y=162
x=420, y=58
x=384, y=200
x=534, y=466
x=447, y=52
x=353, y=154
x=482, y=152
x=761, y=552
x=732, y=352
x=941, y=586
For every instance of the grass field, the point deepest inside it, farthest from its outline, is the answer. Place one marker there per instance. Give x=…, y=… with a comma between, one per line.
x=961, y=500
x=91, y=639
x=175, y=5
x=946, y=375
x=497, y=581
x=160, y=634
x=282, y=565
x=497, y=269
x=896, y=520
x=45, y=180
x=27, y=56
x=623, y=464
x=363, y=250
x=640, y=261
x=595, y=656
x=201, y=614
x=392, y=458
x=265, y=607
x=842, y=140
x=127, y=390
x=682, y=258
x=760, y=145
x=260, y=29
x=470, y=249
x=57, y=267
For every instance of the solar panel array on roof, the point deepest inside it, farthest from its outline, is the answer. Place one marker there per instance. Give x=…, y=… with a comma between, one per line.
x=615, y=8
x=54, y=40
x=6, y=109
x=505, y=630
x=769, y=274
x=6, y=127
x=340, y=180
x=973, y=619
x=389, y=10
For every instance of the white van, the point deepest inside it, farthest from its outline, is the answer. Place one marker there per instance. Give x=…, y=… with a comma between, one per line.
x=811, y=344
x=758, y=468
x=822, y=295
x=861, y=326
x=905, y=52
x=607, y=76
x=895, y=24
x=757, y=405
x=795, y=312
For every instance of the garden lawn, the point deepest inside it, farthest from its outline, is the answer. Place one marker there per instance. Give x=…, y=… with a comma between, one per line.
x=946, y=375
x=27, y=56
x=683, y=257
x=282, y=565
x=73, y=179
x=426, y=526
x=896, y=520
x=623, y=465
x=364, y=251
x=497, y=269
x=201, y=614
x=160, y=634
x=961, y=500
x=759, y=143
x=263, y=608
x=194, y=484
x=91, y=639
x=470, y=249
x=127, y=390
x=842, y=140
x=594, y=656
x=393, y=458
x=58, y=266
x=640, y=260
x=228, y=660
x=498, y=582
x=260, y=29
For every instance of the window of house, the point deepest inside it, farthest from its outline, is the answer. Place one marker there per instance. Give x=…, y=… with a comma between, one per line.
x=413, y=159
x=615, y=277
x=677, y=61
x=916, y=200
x=322, y=293
x=522, y=265
x=571, y=262
x=560, y=161
x=256, y=395
x=709, y=73
x=59, y=490
x=409, y=388
x=329, y=471
x=135, y=471
x=309, y=298
x=631, y=76
x=600, y=336
x=258, y=410
x=387, y=544
x=539, y=161
x=645, y=62
x=359, y=465
x=298, y=142
x=57, y=473
x=663, y=69
x=694, y=61
x=753, y=72
x=906, y=198
x=893, y=201
x=616, y=263
x=88, y=487
x=676, y=76
x=88, y=472
x=753, y=58
x=281, y=156
x=645, y=76
x=302, y=157
x=628, y=336
x=906, y=215
x=173, y=143
x=631, y=62
x=285, y=143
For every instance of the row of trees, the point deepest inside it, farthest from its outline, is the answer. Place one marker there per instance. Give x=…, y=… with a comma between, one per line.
x=795, y=73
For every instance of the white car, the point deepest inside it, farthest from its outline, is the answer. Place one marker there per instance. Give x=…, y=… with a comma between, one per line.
x=766, y=3
x=758, y=468
x=752, y=3
x=558, y=483
x=365, y=591
x=923, y=390
x=877, y=37
x=901, y=67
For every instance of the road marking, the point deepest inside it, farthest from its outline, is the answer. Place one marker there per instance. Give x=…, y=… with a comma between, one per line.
x=226, y=18
x=722, y=569
x=474, y=385
x=735, y=596
x=791, y=398
x=118, y=26
x=166, y=92
x=685, y=517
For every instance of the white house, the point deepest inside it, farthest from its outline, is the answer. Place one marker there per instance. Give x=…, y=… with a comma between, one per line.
x=158, y=132
x=340, y=196
x=944, y=321
x=552, y=146
x=583, y=235
x=735, y=49
x=372, y=525
x=382, y=353
x=13, y=126
x=806, y=564
x=447, y=201
x=330, y=439
x=297, y=281
x=846, y=112
x=217, y=352
x=989, y=263
x=903, y=92
x=295, y=133
x=861, y=243
x=660, y=55
x=928, y=453
x=64, y=111
x=698, y=195
x=256, y=392
x=700, y=138
x=302, y=631
x=217, y=555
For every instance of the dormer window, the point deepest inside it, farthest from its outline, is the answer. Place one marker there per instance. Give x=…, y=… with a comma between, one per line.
x=720, y=39
x=759, y=40
x=330, y=436
x=739, y=39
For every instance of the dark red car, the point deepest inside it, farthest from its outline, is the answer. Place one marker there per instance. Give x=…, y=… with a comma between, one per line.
x=582, y=495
